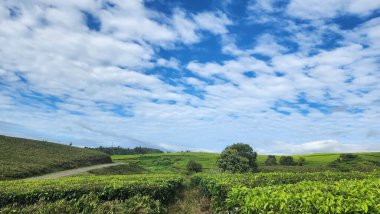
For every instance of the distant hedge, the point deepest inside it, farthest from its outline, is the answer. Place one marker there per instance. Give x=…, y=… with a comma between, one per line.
x=127, y=151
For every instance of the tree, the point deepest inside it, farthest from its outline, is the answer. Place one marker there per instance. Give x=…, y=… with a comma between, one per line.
x=238, y=158
x=301, y=161
x=271, y=160
x=193, y=166
x=287, y=161
x=347, y=157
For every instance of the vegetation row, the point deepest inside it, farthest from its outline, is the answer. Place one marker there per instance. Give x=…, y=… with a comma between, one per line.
x=20, y=158
x=344, y=196
x=218, y=186
x=106, y=188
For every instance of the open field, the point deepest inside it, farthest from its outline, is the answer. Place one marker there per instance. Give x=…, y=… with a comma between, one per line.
x=169, y=162
x=20, y=158
x=176, y=162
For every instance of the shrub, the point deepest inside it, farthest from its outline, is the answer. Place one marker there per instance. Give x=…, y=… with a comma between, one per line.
x=238, y=157
x=301, y=161
x=218, y=186
x=287, y=161
x=117, y=187
x=347, y=157
x=193, y=166
x=271, y=160
x=354, y=196
x=91, y=204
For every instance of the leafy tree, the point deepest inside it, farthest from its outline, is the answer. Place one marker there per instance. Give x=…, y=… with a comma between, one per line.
x=287, y=161
x=193, y=166
x=271, y=160
x=301, y=161
x=238, y=157
x=347, y=157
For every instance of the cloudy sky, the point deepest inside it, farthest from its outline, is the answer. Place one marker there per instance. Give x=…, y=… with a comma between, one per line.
x=285, y=76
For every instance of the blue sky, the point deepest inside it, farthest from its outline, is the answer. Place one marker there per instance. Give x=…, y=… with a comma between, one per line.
x=283, y=76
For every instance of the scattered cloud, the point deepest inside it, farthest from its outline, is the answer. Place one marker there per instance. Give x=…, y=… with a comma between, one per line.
x=188, y=78
x=321, y=147
x=330, y=8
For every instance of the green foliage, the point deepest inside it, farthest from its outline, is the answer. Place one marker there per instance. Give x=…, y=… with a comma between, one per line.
x=287, y=161
x=158, y=187
x=127, y=151
x=20, y=158
x=349, y=162
x=90, y=204
x=217, y=186
x=347, y=157
x=193, y=166
x=301, y=161
x=238, y=158
x=175, y=162
x=271, y=160
x=354, y=196
x=231, y=161
x=123, y=169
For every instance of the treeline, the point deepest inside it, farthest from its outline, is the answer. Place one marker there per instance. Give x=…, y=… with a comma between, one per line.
x=127, y=151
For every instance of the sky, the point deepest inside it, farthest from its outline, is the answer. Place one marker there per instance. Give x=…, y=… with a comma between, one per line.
x=284, y=76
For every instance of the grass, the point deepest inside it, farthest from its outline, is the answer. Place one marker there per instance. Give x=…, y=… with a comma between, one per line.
x=169, y=162
x=190, y=200
x=20, y=158
x=176, y=162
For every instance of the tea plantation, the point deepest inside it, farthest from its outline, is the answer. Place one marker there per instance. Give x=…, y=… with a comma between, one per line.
x=20, y=158
x=161, y=183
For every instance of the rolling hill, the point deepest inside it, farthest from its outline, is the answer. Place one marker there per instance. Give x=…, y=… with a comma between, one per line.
x=176, y=163
x=20, y=158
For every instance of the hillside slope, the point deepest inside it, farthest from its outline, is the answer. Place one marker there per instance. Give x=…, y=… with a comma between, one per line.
x=20, y=158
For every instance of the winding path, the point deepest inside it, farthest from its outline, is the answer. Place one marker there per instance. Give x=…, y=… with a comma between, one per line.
x=73, y=171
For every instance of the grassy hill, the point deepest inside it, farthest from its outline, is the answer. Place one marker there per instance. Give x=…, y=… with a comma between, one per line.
x=20, y=158
x=176, y=163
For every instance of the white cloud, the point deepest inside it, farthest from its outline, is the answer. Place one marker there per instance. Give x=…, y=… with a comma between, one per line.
x=265, y=45
x=172, y=148
x=213, y=22
x=330, y=8
x=59, y=76
x=320, y=146
x=188, y=28
x=172, y=63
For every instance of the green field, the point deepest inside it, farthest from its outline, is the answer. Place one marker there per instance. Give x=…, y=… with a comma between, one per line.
x=169, y=162
x=20, y=158
x=176, y=162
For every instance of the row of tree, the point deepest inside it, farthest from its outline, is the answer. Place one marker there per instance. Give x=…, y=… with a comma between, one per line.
x=127, y=151
x=240, y=158
x=284, y=160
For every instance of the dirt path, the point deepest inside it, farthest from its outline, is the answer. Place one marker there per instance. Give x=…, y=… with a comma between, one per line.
x=190, y=200
x=72, y=171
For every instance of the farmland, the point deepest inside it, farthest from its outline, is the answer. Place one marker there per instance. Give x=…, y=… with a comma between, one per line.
x=161, y=183
x=88, y=194
x=176, y=162
x=20, y=158
x=227, y=190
